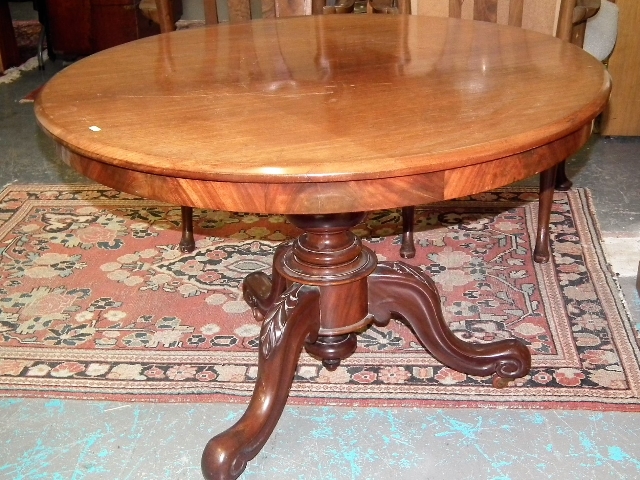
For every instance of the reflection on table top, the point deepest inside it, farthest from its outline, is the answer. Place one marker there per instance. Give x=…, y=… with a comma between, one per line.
x=322, y=98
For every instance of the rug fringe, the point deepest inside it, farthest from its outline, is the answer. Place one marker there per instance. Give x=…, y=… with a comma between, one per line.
x=12, y=74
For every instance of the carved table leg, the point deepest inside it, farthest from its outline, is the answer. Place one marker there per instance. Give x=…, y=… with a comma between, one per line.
x=397, y=288
x=541, y=252
x=331, y=263
x=292, y=319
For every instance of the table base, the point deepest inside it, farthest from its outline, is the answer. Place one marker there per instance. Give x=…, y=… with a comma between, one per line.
x=325, y=286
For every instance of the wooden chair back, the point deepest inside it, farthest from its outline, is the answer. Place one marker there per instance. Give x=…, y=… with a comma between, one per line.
x=572, y=20
x=241, y=10
x=572, y=16
x=487, y=11
x=571, y=24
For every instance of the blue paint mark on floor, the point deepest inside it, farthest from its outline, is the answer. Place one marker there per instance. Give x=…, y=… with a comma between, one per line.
x=58, y=439
x=55, y=404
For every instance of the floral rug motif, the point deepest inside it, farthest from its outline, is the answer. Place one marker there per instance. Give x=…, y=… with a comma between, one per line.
x=97, y=302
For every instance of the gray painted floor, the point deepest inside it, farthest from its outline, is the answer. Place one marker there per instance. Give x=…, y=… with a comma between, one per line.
x=59, y=439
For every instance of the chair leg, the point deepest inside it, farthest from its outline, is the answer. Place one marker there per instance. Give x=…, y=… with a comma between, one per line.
x=40, y=54
x=547, y=183
x=407, y=248
x=562, y=182
x=187, y=243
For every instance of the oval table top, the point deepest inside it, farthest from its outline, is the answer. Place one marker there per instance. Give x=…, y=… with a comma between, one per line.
x=324, y=114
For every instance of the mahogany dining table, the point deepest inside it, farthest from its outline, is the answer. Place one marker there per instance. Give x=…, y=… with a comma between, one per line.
x=323, y=119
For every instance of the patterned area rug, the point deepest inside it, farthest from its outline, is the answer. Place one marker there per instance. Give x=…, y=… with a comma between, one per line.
x=97, y=302
x=27, y=36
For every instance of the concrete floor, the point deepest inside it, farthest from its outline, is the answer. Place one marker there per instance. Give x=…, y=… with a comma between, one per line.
x=61, y=439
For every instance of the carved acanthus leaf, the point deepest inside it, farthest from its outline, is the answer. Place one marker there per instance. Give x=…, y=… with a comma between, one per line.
x=276, y=319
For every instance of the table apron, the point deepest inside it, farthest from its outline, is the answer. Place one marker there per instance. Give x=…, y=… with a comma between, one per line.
x=331, y=197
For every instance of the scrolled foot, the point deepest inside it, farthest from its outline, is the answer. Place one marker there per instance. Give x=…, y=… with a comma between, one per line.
x=396, y=288
x=217, y=465
x=293, y=319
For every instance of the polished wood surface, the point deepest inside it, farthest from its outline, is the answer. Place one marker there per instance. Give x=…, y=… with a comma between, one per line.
x=168, y=107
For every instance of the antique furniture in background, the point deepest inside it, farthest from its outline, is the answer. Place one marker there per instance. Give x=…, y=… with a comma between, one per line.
x=9, y=49
x=82, y=27
x=283, y=102
x=622, y=115
x=9, y=55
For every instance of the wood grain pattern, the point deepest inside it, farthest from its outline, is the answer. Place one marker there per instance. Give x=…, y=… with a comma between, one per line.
x=492, y=10
x=323, y=197
x=256, y=116
x=291, y=8
x=70, y=26
x=572, y=18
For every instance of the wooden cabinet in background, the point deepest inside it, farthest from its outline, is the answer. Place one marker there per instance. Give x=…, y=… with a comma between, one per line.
x=9, y=55
x=70, y=26
x=83, y=27
x=622, y=116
